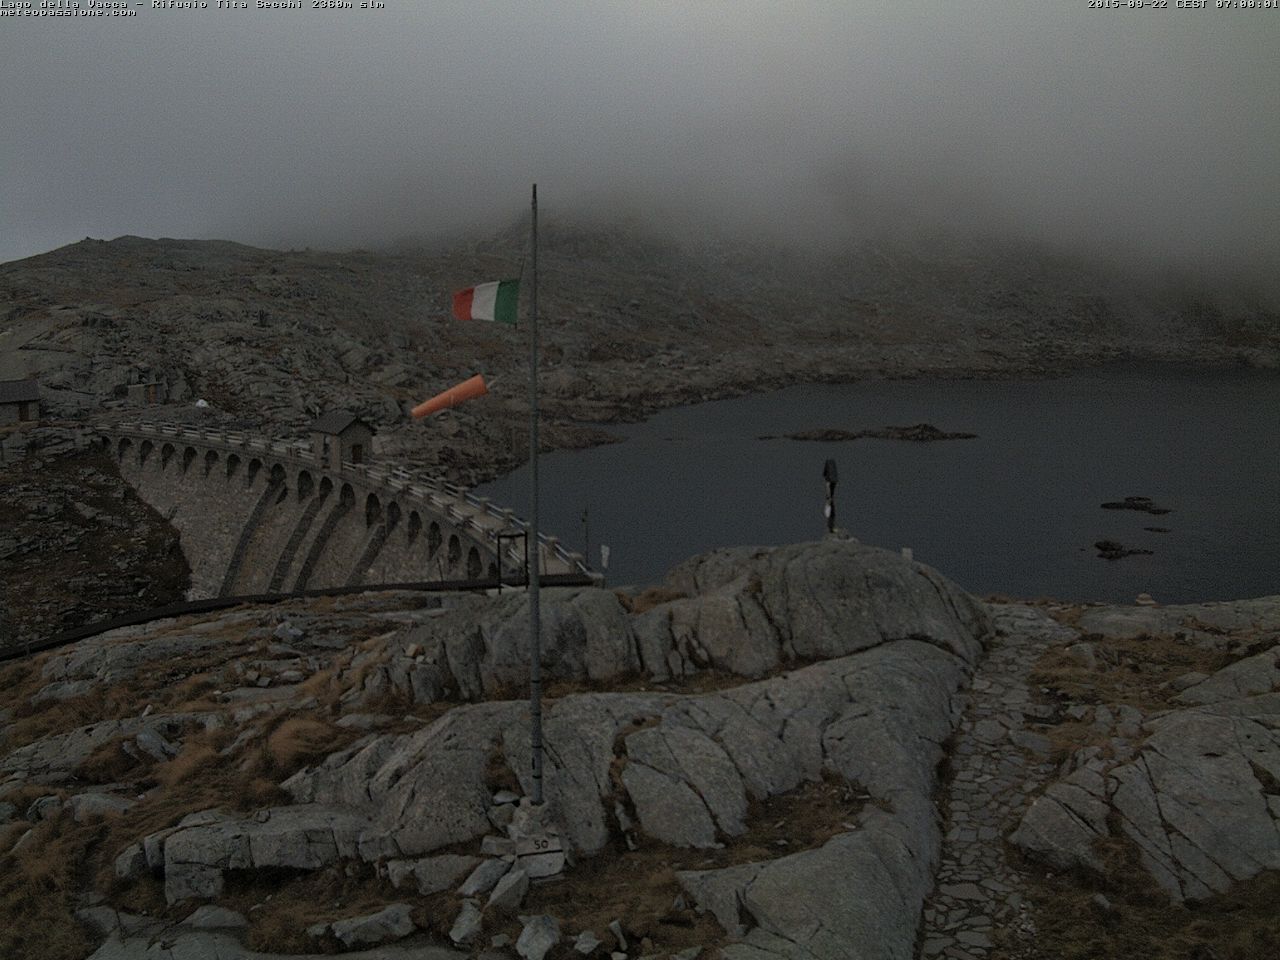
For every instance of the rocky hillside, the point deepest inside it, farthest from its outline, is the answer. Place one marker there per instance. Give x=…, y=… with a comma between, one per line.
x=78, y=545
x=630, y=323
x=813, y=751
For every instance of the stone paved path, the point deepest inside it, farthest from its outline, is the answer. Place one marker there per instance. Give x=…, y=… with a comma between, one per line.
x=998, y=763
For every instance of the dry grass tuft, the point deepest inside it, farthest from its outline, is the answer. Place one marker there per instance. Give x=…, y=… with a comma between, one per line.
x=324, y=686
x=281, y=904
x=639, y=887
x=109, y=763
x=299, y=741
x=32, y=721
x=195, y=760
x=37, y=887
x=1142, y=922
x=193, y=689
x=1136, y=672
x=497, y=774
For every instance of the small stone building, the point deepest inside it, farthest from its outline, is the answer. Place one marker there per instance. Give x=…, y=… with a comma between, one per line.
x=19, y=401
x=340, y=436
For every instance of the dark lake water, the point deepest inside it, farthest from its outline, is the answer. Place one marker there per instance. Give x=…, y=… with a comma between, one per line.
x=1014, y=511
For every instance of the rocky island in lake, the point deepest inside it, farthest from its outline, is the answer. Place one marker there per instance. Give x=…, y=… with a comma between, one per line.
x=917, y=433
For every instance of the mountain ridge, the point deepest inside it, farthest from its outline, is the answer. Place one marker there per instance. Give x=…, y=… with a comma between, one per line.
x=631, y=322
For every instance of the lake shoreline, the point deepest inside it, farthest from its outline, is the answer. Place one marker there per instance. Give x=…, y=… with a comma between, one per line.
x=1050, y=451
x=563, y=427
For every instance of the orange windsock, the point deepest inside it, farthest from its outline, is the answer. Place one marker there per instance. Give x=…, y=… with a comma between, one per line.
x=466, y=390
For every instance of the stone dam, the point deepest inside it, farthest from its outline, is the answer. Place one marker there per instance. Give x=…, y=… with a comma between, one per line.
x=257, y=516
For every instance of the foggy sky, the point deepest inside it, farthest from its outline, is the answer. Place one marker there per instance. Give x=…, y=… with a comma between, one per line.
x=1139, y=135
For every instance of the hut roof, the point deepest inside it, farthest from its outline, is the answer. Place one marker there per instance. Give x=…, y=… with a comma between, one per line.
x=337, y=422
x=19, y=391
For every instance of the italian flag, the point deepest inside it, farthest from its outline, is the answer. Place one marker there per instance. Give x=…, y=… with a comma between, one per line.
x=488, y=301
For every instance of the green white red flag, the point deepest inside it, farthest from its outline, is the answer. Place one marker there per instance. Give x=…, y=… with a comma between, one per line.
x=489, y=301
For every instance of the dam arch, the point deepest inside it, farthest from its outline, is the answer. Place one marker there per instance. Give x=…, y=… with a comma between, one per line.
x=264, y=516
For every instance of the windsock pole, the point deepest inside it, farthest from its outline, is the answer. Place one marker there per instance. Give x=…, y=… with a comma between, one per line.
x=535, y=640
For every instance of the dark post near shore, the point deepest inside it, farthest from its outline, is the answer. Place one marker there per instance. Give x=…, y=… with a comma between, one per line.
x=830, y=476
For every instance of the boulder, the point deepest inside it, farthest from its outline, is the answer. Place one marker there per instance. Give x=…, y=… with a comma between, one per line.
x=303, y=837
x=538, y=935
x=56, y=758
x=1209, y=776
x=211, y=917
x=1244, y=678
x=509, y=892
x=835, y=597
x=1195, y=797
x=695, y=758
x=131, y=863
x=585, y=943
x=179, y=943
x=430, y=874
x=483, y=878
x=466, y=926
x=719, y=892
x=480, y=647
x=390, y=923
x=669, y=809
x=1061, y=826
x=86, y=806
x=44, y=808
x=1204, y=623
x=118, y=655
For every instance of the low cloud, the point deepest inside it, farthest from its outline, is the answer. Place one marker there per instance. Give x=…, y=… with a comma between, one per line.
x=1145, y=138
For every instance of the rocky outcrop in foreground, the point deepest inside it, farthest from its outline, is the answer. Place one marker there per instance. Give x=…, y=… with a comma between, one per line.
x=379, y=741
x=1196, y=786
x=811, y=751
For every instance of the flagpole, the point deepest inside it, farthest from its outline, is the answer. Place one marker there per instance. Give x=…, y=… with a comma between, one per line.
x=535, y=640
